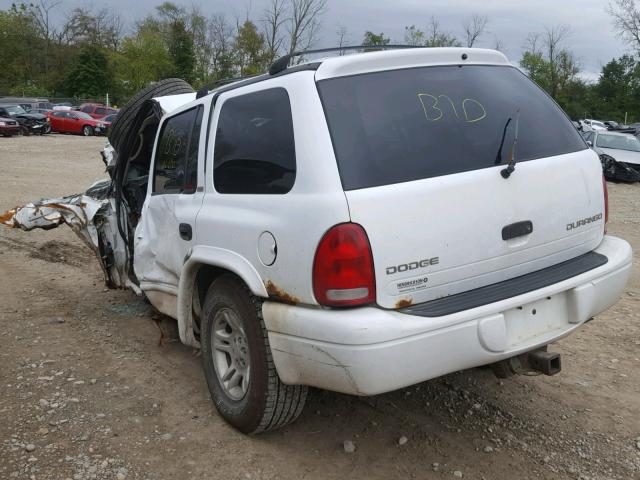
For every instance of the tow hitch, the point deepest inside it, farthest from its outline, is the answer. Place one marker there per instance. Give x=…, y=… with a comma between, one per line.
x=539, y=360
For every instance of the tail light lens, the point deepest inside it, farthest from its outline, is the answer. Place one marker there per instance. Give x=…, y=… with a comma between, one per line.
x=606, y=203
x=343, y=273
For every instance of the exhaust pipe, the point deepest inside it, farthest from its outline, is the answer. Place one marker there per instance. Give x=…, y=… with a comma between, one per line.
x=536, y=361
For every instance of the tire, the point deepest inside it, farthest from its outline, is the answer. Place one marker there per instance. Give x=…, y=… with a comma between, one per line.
x=122, y=123
x=264, y=403
x=25, y=131
x=87, y=131
x=46, y=130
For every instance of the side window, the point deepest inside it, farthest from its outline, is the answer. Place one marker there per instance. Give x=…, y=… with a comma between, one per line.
x=254, y=150
x=100, y=111
x=176, y=165
x=87, y=109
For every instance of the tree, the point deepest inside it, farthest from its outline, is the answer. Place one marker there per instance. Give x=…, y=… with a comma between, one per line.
x=553, y=67
x=249, y=49
x=221, y=40
x=547, y=62
x=474, y=28
x=435, y=37
x=341, y=32
x=90, y=75
x=371, y=39
x=181, y=50
x=304, y=22
x=275, y=17
x=618, y=89
x=102, y=28
x=413, y=36
x=626, y=19
x=143, y=58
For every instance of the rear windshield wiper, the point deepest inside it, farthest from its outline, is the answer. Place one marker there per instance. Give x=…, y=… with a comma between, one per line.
x=504, y=134
x=506, y=172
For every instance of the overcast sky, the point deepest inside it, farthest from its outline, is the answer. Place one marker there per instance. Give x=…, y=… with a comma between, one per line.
x=593, y=39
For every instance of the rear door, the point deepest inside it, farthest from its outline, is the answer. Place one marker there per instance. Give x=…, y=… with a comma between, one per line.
x=420, y=153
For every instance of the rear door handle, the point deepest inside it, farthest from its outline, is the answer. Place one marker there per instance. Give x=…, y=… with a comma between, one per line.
x=518, y=229
x=186, y=233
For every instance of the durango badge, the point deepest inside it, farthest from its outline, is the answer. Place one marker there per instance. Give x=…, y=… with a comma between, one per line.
x=583, y=222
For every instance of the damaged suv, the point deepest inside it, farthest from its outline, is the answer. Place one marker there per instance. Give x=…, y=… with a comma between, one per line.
x=359, y=223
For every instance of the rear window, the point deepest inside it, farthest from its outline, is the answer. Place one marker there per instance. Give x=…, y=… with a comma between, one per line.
x=403, y=125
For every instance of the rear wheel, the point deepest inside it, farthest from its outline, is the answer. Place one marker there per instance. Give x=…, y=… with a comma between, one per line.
x=87, y=131
x=237, y=361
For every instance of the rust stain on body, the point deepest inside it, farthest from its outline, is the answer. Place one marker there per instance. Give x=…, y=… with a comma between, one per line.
x=405, y=302
x=277, y=293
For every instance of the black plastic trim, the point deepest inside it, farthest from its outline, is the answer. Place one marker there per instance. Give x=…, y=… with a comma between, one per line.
x=261, y=78
x=508, y=288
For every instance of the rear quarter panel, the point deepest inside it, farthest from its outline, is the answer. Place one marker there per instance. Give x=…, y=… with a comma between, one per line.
x=298, y=219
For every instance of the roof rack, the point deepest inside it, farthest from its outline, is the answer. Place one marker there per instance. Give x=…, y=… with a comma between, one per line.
x=283, y=62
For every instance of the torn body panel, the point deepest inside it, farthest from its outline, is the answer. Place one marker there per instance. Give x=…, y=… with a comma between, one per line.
x=91, y=216
x=106, y=216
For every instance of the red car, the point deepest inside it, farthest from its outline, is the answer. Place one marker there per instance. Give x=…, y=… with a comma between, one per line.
x=9, y=126
x=75, y=122
x=96, y=110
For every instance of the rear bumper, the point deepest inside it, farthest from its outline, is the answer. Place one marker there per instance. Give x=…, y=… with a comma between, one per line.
x=369, y=350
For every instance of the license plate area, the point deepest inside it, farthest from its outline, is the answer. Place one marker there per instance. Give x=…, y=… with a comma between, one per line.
x=536, y=318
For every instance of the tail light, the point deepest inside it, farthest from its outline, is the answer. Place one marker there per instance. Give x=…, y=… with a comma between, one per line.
x=606, y=203
x=343, y=272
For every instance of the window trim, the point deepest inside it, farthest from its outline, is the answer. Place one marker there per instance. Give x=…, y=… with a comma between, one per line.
x=156, y=153
x=219, y=114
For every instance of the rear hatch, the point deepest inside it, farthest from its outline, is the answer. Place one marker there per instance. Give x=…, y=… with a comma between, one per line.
x=420, y=153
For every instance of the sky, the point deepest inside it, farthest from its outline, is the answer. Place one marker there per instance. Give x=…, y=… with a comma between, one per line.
x=592, y=39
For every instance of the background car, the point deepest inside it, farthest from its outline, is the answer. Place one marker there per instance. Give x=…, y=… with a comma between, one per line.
x=76, y=122
x=593, y=124
x=9, y=127
x=29, y=122
x=96, y=110
x=619, y=154
x=108, y=120
x=43, y=111
x=28, y=103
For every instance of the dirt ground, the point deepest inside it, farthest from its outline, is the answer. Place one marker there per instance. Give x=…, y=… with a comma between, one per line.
x=87, y=392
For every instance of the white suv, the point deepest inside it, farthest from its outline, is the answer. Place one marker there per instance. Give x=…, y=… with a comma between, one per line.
x=359, y=224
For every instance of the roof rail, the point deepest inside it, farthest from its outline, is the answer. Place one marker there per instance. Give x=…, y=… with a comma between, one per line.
x=281, y=67
x=204, y=91
x=283, y=62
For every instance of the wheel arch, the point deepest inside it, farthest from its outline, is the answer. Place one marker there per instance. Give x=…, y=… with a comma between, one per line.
x=200, y=268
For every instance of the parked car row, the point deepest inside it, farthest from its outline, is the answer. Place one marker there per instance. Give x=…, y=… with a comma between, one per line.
x=16, y=120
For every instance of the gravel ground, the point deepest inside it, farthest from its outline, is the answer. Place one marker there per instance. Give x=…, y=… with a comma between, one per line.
x=87, y=392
